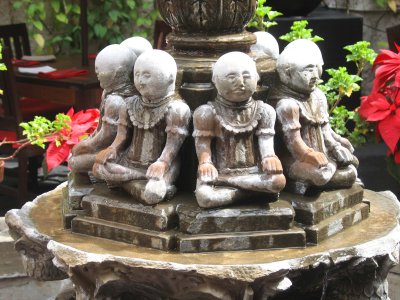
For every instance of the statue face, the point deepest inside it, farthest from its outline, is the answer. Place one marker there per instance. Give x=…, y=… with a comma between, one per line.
x=152, y=82
x=304, y=78
x=236, y=82
x=114, y=65
x=105, y=74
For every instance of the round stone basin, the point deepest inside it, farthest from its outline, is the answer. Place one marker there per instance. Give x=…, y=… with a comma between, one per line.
x=95, y=264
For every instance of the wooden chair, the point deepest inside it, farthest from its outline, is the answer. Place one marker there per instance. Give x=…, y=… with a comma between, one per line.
x=15, y=37
x=10, y=118
x=161, y=30
x=13, y=111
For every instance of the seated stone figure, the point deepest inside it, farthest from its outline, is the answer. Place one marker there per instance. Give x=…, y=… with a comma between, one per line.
x=234, y=138
x=113, y=65
x=312, y=155
x=151, y=129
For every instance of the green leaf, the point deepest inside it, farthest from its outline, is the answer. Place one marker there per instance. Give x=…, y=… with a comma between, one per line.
x=62, y=18
x=55, y=4
x=39, y=39
x=100, y=30
x=299, y=30
x=38, y=24
x=114, y=14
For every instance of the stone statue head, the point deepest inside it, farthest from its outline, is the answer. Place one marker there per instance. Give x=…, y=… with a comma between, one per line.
x=114, y=65
x=137, y=44
x=155, y=75
x=235, y=76
x=266, y=43
x=300, y=65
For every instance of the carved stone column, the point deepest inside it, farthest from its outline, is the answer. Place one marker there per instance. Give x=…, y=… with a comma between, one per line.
x=203, y=30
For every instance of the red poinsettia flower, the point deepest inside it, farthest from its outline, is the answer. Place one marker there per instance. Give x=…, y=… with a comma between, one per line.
x=82, y=124
x=387, y=68
x=383, y=107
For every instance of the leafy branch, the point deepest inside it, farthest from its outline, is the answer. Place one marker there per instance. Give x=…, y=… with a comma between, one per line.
x=38, y=132
x=2, y=65
x=258, y=20
x=55, y=26
x=340, y=85
x=299, y=30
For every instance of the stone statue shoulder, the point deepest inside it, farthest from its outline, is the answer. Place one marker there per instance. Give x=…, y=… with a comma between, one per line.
x=204, y=121
x=266, y=123
x=177, y=116
x=111, y=106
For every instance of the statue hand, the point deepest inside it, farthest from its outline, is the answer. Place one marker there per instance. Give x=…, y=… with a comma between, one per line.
x=106, y=154
x=342, y=155
x=82, y=148
x=346, y=143
x=157, y=170
x=207, y=172
x=315, y=158
x=272, y=165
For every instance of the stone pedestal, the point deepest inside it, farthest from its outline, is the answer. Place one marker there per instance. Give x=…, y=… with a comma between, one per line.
x=180, y=225
x=329, y=212
x=352, y=264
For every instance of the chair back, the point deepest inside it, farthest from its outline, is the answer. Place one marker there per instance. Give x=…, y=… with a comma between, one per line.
x=15, y=37
x=10, y=114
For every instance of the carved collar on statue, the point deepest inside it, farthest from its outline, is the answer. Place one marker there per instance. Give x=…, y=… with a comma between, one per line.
x=312, y=108
x=124, y=90
x=236, y=117
x=145, y=114
x=283, y=91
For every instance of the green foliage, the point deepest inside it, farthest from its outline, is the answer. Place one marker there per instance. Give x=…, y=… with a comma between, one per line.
x=340, y=85
x=361, y=54
x=262, y=11
x=54, y=25
x=381, y=3
x=299, y=30
x=2, y=66
x=40, y=129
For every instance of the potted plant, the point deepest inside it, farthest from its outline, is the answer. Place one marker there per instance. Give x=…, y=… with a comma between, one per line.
x=62, y=134
x=382, y=106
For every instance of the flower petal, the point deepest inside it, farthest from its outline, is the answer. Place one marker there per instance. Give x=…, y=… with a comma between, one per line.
x=389, y=129
x=56, y=155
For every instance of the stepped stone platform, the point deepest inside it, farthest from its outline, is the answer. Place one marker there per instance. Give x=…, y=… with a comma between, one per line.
x=329, y=212
x=181, y=225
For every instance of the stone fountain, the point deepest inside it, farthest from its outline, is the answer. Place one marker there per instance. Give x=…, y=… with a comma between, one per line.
x=150, y=237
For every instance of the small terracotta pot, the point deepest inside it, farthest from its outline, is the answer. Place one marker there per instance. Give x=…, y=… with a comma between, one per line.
x=1, y=170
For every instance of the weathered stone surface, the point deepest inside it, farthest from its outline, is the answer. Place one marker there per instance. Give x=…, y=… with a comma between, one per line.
x=31, y=244
x=339, y=222
x=311, y=210
x=124, y=233
x=119, y=207
x=79, y=185
x=357, y=259
x=277, y=215
x=292, y=238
